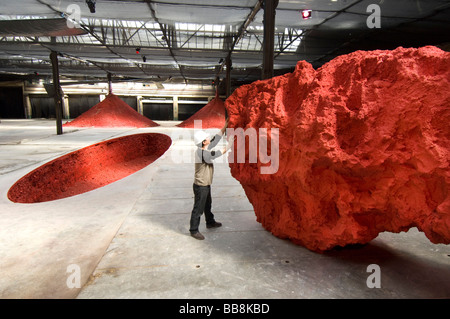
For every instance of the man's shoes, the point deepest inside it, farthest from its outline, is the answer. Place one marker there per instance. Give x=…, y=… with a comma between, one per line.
x=213, y=225
x=198, y=236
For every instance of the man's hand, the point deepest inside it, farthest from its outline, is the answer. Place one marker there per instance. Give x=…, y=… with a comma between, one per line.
x=229, y=145
x=222, y=131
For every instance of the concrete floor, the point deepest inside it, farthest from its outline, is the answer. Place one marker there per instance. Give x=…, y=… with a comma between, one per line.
x=130, y=239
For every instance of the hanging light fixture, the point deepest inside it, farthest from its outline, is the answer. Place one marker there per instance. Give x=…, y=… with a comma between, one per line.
x=91, y=5
x=306, y=14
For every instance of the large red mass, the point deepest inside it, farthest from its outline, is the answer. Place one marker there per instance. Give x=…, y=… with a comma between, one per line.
x=364, y=147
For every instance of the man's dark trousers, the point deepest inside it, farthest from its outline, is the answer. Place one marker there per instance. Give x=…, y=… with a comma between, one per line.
x=202, y=203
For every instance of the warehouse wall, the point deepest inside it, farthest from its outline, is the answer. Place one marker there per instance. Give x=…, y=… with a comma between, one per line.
x=42, y=106
x=11, y=103
x=31, y=100
x=78, y=104
x=185, y=111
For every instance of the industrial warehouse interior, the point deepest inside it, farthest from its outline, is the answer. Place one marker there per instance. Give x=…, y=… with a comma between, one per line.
x=97, y=106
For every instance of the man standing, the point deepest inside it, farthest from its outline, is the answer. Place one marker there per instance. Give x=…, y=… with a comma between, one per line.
x=204, y=171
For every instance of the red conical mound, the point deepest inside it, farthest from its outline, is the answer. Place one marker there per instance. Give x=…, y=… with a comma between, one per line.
x=212, y=115
x=111, y=112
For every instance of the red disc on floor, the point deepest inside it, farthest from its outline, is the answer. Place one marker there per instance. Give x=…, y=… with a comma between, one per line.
x=89, y=168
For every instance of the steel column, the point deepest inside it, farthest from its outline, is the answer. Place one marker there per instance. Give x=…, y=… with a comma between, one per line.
x=57, y=92
x=269, y=38
x=228, y=78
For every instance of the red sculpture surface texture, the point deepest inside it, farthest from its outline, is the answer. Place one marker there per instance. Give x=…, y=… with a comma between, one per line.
x=364, y=145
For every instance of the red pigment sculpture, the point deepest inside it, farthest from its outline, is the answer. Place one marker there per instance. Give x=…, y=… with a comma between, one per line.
x=111, y=112
x=89, y=168
x=212, y=115
x=364, y=147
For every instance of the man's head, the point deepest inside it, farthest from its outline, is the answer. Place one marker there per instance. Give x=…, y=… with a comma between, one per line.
x=201, y=138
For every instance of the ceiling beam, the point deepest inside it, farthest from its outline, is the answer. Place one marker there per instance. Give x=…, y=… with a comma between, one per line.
x=90, y=30
x=334, y=15
x=369, y=34
x=240, y=34
x=270, y=7
x=166, y=37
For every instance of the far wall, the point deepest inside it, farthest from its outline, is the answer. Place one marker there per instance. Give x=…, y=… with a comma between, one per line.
x=27, y=100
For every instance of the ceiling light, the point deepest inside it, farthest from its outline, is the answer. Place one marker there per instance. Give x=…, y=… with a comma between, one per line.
x=91, y=5
x=306, y=14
